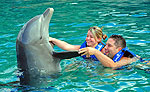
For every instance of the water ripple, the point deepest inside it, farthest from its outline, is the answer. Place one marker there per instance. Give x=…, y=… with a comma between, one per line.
x=7, y=35
x=82, y=25
x=141, y=31
x=70, y=22
x=113, y=25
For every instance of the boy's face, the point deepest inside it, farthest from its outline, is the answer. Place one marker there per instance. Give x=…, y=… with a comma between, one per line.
x=111, y=49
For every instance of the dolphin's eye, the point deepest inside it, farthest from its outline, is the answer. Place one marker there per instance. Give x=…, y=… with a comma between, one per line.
x=40, y=37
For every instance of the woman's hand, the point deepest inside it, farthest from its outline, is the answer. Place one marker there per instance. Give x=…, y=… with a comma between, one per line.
x=87, y=51
x=50, y=39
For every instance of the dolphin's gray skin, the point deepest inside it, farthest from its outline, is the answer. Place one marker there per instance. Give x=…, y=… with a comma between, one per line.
x=35, y=56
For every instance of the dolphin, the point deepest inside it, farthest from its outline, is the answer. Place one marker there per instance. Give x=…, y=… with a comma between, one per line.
x=36, y=57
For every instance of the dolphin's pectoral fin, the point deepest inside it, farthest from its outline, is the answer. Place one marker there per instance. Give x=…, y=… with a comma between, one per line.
x=66, y=54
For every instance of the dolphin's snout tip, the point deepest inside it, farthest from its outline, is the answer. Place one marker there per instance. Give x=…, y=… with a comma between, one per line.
x=49, y=11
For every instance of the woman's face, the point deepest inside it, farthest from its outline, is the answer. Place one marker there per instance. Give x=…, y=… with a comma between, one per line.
x=91, y=42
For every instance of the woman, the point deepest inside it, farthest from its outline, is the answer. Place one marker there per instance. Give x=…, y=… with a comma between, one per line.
x=93, y=39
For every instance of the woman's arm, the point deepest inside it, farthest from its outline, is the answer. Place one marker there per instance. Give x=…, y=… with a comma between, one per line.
x=64, y=45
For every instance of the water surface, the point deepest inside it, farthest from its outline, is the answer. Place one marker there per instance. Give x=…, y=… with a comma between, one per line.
x=70, y=22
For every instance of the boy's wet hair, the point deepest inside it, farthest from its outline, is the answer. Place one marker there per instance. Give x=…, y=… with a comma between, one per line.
x=119, y=41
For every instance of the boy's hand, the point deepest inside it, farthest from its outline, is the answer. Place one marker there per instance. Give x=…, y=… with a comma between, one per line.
x=87, y=51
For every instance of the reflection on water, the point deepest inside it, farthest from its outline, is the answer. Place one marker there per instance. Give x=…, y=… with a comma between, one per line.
x=70, y=22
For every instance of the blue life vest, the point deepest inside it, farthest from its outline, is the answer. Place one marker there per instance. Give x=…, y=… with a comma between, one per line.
x=118, y=56
x=98, y=47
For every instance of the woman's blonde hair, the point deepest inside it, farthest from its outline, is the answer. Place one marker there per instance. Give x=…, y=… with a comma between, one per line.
x=97, y=32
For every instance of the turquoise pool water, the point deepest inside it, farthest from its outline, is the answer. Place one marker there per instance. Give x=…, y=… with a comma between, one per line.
x=70, y=22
